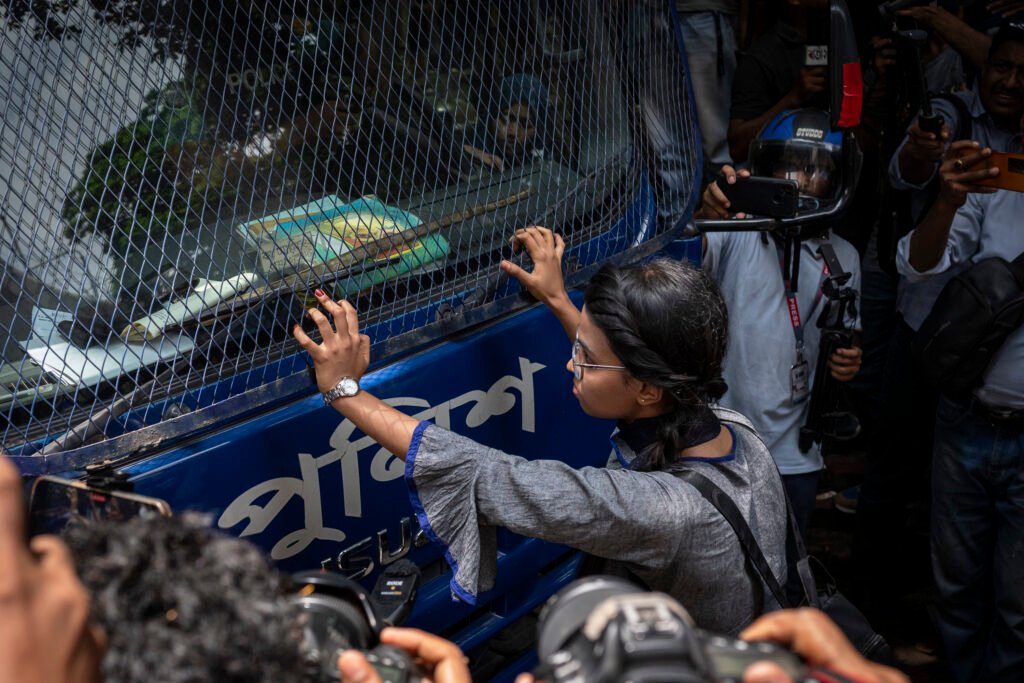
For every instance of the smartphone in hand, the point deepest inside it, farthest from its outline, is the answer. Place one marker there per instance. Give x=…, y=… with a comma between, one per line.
x=1011, y=171
x=56, y=502
x=760, y=196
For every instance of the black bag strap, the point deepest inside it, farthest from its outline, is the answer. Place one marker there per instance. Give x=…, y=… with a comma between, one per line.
x=797, y=558
x=724, y=504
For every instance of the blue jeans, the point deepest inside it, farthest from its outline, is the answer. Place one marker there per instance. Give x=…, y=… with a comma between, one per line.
x=978, y=544
x=711, y=53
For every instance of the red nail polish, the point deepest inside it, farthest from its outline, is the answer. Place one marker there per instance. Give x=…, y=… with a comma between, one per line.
x=319, y=292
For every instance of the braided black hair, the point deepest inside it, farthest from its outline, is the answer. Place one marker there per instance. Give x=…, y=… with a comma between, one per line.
x=666, y=320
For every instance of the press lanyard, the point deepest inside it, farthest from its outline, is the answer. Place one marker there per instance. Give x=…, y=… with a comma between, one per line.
x=792, y=305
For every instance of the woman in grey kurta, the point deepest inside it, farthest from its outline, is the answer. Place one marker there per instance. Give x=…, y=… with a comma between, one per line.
x=648, y=352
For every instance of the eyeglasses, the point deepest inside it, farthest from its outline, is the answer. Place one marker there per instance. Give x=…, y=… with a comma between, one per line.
x=578, y=364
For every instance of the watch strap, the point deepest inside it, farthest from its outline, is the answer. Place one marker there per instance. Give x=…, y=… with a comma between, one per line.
x=341, y=390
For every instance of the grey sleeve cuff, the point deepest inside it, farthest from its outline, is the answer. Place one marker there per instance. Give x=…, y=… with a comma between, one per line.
x=439, y=471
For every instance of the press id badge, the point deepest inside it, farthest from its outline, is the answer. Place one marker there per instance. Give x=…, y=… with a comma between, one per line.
x=798, y=388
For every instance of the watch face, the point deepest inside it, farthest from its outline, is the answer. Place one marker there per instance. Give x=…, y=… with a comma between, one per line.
x=349, y=387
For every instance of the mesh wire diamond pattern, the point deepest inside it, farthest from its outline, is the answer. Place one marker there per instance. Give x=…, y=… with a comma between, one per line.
x=176, y=177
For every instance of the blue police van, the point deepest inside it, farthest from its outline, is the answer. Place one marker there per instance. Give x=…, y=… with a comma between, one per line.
x=176, y=183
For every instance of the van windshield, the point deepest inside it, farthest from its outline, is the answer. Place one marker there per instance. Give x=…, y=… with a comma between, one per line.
x=178, y=176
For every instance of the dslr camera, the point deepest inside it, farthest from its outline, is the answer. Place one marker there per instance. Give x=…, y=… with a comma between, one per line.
x=337, y=614
x=603, y=629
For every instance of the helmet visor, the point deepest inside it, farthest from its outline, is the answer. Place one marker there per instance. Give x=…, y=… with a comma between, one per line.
x=814, y=167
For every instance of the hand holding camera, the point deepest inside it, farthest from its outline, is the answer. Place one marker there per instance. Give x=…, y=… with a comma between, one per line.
x=990, y=169
x=715, y=202
x=813, y=636
x=342, y=630
x=602, y=629
x=442, y=660
x=926, y=146
x=745, y=194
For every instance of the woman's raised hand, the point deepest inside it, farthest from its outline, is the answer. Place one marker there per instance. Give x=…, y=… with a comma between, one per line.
x=545, y=249
x=343, y=352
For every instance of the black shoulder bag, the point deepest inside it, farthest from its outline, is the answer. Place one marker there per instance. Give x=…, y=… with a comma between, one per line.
x=828, y=599
x=972, y=317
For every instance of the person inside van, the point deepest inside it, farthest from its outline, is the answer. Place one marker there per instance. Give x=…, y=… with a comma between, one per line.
x=647, y=351
x=514, y=128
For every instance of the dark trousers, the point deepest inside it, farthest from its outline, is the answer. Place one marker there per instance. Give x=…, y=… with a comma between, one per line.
x=978, y=544
x=890, y=555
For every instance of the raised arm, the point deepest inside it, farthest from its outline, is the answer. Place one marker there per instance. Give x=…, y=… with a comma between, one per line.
x=545, y=282
x=346, y=353
x=971, y=44
x=929, y=238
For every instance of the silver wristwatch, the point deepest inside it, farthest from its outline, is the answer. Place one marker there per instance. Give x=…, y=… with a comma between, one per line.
x=345, y=387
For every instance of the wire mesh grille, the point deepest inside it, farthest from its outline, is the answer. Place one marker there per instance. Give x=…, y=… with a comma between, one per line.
x=176, y=176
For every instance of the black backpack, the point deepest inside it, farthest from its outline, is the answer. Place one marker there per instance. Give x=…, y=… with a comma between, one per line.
x=974, y=314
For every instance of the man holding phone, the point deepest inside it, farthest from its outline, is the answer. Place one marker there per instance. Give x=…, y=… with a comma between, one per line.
x=978, y=460
x=898, y=457
x=773, y=339
x=46, y=635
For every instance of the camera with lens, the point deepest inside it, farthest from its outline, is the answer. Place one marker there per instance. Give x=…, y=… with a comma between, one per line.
x=603, y=629
x=338, y=614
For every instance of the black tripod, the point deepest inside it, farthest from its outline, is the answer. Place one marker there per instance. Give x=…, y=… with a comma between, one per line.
x=825, y=418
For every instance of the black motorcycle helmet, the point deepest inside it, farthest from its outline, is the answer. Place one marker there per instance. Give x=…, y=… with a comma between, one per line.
x=802, y=145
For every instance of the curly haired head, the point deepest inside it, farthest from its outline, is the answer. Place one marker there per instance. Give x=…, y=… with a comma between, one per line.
x=182, y=603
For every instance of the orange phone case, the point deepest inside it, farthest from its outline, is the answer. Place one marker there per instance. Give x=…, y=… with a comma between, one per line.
x=1011, y=171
